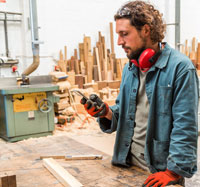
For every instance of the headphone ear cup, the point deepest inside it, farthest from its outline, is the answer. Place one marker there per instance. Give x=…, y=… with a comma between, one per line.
x=144, y=58
x=135, y=62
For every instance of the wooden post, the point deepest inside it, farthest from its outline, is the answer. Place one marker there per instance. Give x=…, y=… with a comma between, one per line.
x=8, y=181
x=81, y=52
x=111, y=38
x=105, y=62
x=76, y=65
x=186, y=48
x=65, y=58
x=98, y=64
x=61, y=62
x=89, y=68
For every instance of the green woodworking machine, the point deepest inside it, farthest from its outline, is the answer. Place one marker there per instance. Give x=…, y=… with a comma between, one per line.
x=26, y=107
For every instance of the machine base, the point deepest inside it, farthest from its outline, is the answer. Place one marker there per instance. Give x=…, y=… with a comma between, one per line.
x=22, y=137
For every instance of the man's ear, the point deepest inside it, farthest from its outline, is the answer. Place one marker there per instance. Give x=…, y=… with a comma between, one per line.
x=146, y=30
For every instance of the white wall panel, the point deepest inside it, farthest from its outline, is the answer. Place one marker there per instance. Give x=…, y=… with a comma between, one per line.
x=65, y=22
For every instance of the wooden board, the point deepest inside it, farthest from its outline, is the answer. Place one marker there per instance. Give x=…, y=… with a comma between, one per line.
x=111, y=38
x=98, y=63
x=8, y=180
x=79, y=80
x=60, y=173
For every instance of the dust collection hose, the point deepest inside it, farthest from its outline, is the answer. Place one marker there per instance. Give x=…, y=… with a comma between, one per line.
x=35, y=38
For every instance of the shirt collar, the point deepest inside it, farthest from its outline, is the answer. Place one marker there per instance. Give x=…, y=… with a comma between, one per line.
x=163, y=59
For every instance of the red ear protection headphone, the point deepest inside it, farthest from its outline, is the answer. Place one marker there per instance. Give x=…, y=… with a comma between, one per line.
x=147, y=59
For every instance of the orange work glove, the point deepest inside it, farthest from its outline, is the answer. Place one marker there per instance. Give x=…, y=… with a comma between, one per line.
x=95, y=106
x=162, y=178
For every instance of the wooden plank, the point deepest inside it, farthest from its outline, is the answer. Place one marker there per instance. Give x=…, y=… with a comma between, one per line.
x=65, y=58
x=186, y=48
x=193, y=44
x=89, y=68
x=82, y=68
x=83, y=157
x=87, y=49
x=79, y=80
x=60, y=173
x=81, y=51
x=105, y=61
x=119, y=68
x=113, y=64
x=4, y=181
x=114, y=84
x=102, y=84
x=71, y=77
x=53, y=156
x=91, y=85
x=95, y=73
x=198, y=53
x=112, y=38
x=8, y=181
x=100, y=49
x=12, y=181
x=64, y=85
x=109, y=75
x=76, y=65
x=98, y=63
x=61, y=62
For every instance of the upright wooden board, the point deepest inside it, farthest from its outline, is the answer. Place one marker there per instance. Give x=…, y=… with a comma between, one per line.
x=98, y=63
x=61, y=62
x=87, y=49
x=112, y=38
x=81, y=51
x=76, y=64
x=89, y=68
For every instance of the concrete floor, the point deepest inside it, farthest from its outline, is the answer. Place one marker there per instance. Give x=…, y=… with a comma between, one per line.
x=105, y=142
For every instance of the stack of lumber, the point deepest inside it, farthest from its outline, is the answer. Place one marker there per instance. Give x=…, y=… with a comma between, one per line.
x=60, y=79
x=94, y=64
x=92, y=70
x=192, y=51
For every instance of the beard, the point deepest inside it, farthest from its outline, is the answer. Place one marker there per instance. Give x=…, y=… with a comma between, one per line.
x=135, y=54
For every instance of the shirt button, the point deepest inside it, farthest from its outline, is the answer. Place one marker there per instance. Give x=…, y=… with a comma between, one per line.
x=134, y=90
x=127, y=144
x=131, y=118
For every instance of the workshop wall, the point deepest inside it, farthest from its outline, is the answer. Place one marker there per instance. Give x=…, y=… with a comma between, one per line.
x=65, y=22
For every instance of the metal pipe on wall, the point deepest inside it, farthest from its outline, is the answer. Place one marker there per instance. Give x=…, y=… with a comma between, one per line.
x=178, y=22
x=35, y=38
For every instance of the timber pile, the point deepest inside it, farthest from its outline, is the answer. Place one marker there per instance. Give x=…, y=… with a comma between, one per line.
x=96, y=70
x=62, y=108
x=96, y=66
x=193, y=52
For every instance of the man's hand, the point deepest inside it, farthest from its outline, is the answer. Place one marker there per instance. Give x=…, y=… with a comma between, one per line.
x=162, y=179
x=95, y=106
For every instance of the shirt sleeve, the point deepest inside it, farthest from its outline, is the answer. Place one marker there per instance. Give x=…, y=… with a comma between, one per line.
x=183, y=140
x=109, y=126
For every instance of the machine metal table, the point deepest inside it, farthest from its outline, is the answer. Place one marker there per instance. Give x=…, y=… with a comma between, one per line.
x=26, y=110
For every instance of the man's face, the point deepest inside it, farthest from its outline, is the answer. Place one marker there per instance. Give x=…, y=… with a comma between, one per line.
x=130, y=38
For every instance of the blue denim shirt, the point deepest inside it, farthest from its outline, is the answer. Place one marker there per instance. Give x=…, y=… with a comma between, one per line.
x=172, y=131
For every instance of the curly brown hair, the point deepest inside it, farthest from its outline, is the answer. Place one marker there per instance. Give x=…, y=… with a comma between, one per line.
x=140, y=13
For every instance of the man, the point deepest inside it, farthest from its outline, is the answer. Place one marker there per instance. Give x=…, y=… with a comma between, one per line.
x=155, y=115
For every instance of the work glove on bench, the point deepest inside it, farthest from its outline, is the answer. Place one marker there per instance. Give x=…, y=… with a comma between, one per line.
x=162, y=178
x=95, y=106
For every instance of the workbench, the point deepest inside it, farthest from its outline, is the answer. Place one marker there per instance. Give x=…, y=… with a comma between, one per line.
x=23, y=160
